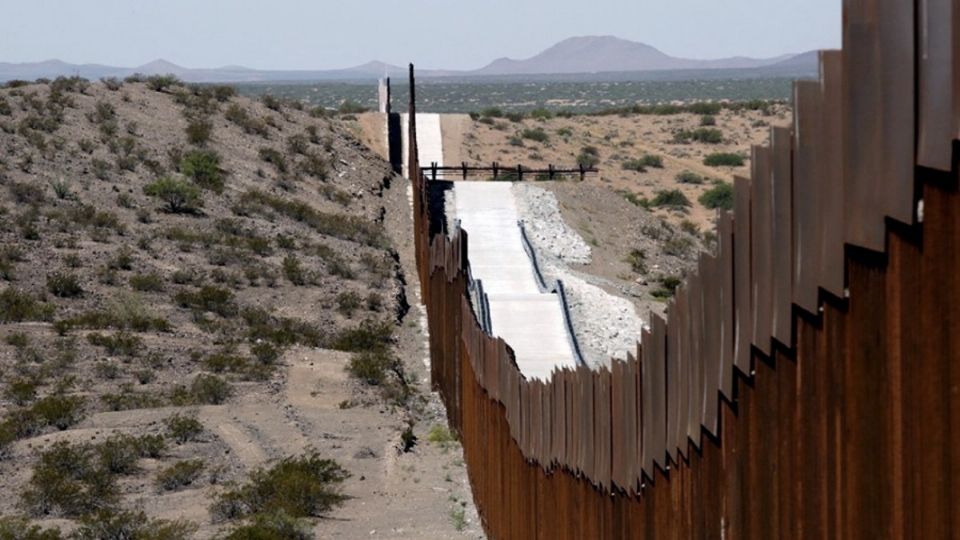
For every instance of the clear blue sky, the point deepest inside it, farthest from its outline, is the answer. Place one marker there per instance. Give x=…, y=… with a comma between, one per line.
x=455, y=34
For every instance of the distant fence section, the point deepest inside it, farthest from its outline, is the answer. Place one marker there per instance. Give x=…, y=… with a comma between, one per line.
x=806, y=380
x=516, y=173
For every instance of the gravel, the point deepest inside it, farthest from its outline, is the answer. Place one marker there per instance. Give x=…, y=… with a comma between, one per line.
x=607, y=326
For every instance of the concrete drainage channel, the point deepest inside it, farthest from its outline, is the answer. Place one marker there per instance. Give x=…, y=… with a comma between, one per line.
x=516, y=295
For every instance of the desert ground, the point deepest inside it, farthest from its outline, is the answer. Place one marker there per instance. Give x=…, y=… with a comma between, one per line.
x=205, y=306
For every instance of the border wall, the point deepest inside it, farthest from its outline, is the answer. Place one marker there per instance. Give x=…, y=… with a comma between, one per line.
x=806, y=381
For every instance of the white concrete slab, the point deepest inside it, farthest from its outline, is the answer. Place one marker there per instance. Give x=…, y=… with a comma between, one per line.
x=531, y=322
x=429, y=140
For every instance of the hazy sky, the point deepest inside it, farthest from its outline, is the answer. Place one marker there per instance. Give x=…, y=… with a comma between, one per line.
x=456, y=34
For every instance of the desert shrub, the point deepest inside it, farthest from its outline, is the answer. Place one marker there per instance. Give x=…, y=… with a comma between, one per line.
x=180, y=196
x=101, y=169
x=345, y=227
x=106, y=369
x=110, y=524
x=637, y=259
x=704, y=108
x=64, y=285
x=348, y=302
x=719, y=196
x=223, y=92
x=152, y=282
x=119, y=453
x=203, y=167
x=641, y=164
x=250, y=125
x=351, y=107
x=128, y=399
x=678, y=246
x=5, y=109
x=271, y=102
x=273, y=526
x=160, y=83
x=122, y=259
x=314, y=165
x=17, y=306
x=708, y=120
x=112, y=83
x=121, y=343
x=689, y=227
x=266, y=353
x=302, y=486
x=723, y=159
x=369, y=335
x=26, y=193
x=124, y=312
x=69, y=479
x=180, y=474
x=702, y=134
x=589, y=156
x=209, y=298
x=371, y=366
x=294, y=271
x=273, y=157
x=21, y=391
x=204, y=390
x=672, y=198
x=298, y=144
x=183, y=429
x=689, y=177
x=536, y=134
x=281, y=331
x=58, y=411
x=13, y=528
x=151, y=446
x=199, y=131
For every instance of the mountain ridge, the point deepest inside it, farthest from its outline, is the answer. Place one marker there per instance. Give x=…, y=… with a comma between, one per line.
x=575, y=55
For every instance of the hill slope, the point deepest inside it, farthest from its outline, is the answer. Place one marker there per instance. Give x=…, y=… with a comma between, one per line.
x=172, y=253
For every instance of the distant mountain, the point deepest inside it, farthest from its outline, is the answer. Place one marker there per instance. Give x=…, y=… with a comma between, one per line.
x=578, y=57
x=599, y=54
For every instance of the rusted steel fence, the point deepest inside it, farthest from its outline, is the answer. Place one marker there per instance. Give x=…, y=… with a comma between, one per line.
x=806, y=382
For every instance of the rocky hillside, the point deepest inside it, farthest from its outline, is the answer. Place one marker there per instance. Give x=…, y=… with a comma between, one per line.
x=178, y=267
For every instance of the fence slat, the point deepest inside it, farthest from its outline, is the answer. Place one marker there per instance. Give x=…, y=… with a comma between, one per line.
x=761, y=248
x=725, y=288
x=743, y=320
x=807, y=224
x=782, y=240
x=936, y=98
x=830, y=180
x=879, y=134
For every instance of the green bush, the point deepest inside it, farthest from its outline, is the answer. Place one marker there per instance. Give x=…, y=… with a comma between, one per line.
x=180, y=196
x=161, y=83
x=351, y=107
x=708, y=120
x=348, y=302
x=180, y=474
x=273, y=157
x=589, y=157
x=640, y=165
x=723, y=159
x=294, y=271
x=183, y=429
x=266, y=353
x=637, y=259
x=110, y=524
x=70, y=480
x=209, y=298
x=303, y=486
x=370, y=366
x=702, y=134
x=345, y=227
x=17, y=306
x=689, y=177
x=536, y=134
x=720, y=196
x=204, y=390
x=21, y=391
x=119, y=454
x=203, y=167
x=121, y=343
x=273, y=526
x=64, y=285
x=152, y=282
x=250, y=125
x=673, y=198
x=13, y=528
x=199, y=131
x=369, y=335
